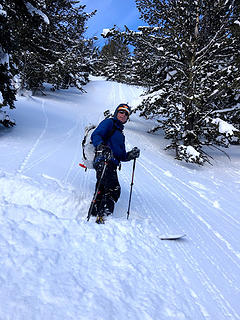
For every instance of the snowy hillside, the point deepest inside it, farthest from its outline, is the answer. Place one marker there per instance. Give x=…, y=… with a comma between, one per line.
x=56, y=265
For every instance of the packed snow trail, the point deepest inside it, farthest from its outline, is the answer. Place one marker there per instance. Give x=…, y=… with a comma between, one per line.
x=56, y=265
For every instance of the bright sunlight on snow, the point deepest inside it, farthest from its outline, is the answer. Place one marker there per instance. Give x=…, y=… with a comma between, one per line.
x=56, y=265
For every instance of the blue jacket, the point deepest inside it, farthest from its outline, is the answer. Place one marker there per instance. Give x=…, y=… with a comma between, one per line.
x=116, y=142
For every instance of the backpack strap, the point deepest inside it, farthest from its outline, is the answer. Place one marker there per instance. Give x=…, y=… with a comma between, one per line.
x=87, y=130
x=111, y=132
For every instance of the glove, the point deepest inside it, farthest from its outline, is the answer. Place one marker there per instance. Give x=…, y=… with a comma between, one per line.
x=133, y=154
x=103, y=151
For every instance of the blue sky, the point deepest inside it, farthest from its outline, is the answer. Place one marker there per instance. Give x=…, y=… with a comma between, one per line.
x=110, y=12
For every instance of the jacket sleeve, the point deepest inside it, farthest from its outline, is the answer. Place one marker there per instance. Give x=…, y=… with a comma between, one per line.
x=101, y=131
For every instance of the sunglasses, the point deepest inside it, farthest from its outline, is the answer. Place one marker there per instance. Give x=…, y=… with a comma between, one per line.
x=123, y=112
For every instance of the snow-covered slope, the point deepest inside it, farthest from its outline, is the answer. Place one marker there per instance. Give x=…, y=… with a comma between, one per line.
x=56, y=265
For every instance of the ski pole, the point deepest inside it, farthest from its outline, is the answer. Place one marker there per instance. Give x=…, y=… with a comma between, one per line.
x=130, y=197
x=96, y=192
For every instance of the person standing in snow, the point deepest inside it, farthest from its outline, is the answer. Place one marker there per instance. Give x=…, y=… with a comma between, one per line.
x=109, y=142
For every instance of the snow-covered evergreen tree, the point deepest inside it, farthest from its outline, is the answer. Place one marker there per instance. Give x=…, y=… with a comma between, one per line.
x=59, y=54
x=236, y=34
x=188, y=54
x=113, y=60
x=13, y=14
x=39, y=48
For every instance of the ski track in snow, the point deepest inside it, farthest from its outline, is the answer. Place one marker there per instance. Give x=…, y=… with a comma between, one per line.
x=227, y=311
x=210, y=287
x=26, y=160
x=189, y=207
x=192, y=210
x=56, y=265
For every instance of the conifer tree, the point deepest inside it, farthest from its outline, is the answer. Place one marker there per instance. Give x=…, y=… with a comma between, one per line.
x=59, y=54
x=37, y=48
x=113, y=60
x=189, y=56
x=236, y=34
x=13, y=14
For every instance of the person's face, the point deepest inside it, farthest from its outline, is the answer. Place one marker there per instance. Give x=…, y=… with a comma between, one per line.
x=122, y=116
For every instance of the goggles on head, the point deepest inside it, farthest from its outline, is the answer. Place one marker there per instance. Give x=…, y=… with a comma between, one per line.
x=123, y=112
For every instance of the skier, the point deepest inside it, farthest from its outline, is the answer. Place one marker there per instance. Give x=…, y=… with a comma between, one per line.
x=109, y=142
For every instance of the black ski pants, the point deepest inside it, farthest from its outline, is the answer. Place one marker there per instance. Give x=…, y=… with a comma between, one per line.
x=109, y=190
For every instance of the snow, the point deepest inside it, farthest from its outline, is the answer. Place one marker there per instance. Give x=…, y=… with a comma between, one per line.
x=224, y=127
x=56, y=265
x=105, y=32
x=4, y=57
x=32, y=10
x=2, y=12
x=237, y=22
x=154, y=95
x=4, y=110
x=192, y=152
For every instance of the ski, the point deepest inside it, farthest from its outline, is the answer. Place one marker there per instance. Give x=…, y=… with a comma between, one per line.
x=172, y=236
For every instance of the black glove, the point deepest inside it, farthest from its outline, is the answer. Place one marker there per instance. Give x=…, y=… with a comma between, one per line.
x=133, y=154
x=104, y=151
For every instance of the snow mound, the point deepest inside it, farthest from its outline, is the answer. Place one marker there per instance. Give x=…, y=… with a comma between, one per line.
x=46, y=194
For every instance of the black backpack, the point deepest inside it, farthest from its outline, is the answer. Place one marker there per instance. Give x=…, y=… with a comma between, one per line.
x=88, y=150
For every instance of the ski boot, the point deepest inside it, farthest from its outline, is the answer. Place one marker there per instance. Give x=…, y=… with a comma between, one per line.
x=102, y=216
x=100, y=219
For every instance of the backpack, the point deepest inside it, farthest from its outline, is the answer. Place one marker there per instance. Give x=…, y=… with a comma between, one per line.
x=88, y=150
